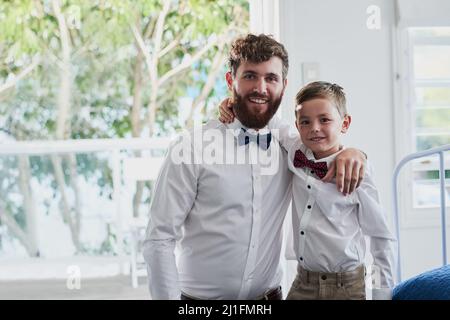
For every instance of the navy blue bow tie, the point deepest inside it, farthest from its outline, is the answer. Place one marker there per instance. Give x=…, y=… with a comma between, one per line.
x=262, y=140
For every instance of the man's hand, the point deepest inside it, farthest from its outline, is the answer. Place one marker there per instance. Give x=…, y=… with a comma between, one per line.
x=226, y=111
x=349, y=167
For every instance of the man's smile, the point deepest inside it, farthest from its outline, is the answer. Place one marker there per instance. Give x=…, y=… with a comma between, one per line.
x=258, y=100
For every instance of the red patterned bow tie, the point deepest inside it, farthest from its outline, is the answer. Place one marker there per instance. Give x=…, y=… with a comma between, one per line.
x=319, y=168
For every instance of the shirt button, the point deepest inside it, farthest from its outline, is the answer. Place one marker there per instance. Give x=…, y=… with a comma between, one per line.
x=302, y=233
x=324, y=277
x=309, y=187
x=301, y=258
x=309, y=207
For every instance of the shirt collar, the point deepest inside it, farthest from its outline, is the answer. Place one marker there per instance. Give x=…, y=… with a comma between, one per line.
x=236, y=126
x=310, y=155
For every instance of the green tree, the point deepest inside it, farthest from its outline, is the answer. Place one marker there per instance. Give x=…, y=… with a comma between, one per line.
x=101, y=69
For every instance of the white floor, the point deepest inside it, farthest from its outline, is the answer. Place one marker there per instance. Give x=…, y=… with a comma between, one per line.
x=97, y=278
x=110, y=288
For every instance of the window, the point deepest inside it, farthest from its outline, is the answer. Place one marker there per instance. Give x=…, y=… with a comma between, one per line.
x=431, y=78
x=426, y=111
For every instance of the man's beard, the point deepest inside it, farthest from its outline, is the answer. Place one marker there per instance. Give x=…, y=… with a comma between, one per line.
x=253, y=118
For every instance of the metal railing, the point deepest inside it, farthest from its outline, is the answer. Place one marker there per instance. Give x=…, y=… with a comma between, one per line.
x=440, y=151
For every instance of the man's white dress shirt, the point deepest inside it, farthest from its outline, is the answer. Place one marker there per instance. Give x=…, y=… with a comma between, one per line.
x=329, y=228
x=226, y=218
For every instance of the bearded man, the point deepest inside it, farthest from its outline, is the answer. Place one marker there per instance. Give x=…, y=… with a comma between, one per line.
x=226, y=215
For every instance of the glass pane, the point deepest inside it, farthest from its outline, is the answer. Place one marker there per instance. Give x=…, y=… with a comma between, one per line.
x=61, y=204
x=436, y=96
x=430, y=175
x=427, y=142
x=431, y=32
x=426, y=182
x=432, y=62
x=433, y=118
x=427, y=193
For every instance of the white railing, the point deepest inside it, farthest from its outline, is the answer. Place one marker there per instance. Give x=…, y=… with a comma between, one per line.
x=114, y=146
x=40, y=147
x=440, y=151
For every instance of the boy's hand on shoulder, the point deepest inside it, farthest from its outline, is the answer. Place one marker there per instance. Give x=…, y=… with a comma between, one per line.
x=226, y=114
x=349, y=169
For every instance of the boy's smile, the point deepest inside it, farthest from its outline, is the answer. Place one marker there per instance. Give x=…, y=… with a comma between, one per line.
x=320, y=126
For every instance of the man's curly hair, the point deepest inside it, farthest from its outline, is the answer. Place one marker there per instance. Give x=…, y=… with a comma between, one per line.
x=256, y=49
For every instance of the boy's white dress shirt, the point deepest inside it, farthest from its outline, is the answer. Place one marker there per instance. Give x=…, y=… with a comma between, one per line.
x=329, y=228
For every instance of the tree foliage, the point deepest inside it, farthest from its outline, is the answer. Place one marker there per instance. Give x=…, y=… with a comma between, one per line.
x=103, y=69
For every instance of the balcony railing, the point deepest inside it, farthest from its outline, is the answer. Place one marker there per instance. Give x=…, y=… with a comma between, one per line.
x=44, y=154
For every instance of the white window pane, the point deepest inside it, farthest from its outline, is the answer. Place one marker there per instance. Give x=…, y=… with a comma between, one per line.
x=424, y=142
x=430, y=32
x=427, y=193
x=433, y=118
x=432, y=62
x=426, y=185
x=432, y=96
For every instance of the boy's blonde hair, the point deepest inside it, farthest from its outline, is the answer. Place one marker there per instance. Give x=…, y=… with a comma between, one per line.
x=323, y=90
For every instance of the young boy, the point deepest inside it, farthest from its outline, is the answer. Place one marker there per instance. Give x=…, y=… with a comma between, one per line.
x=328, y=227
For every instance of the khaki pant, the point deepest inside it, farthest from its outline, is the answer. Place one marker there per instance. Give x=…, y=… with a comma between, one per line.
x=309, y=285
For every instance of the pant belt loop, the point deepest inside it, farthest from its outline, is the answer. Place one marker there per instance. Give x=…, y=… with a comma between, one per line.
x=339, y=279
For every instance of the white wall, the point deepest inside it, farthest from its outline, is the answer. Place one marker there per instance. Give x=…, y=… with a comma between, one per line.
x=334, y=34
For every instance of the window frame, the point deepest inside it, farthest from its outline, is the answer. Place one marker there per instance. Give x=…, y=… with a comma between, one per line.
x=405, y=85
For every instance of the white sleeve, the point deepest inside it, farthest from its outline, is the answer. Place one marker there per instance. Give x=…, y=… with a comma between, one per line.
x=173, y=198
x=286, y=134
x=373, y=223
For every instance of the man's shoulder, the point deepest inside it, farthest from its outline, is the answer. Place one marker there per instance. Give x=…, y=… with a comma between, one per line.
x=296, y=145
x=199, y=129
x=213, y=124
x=210, y=125
x=194, y=138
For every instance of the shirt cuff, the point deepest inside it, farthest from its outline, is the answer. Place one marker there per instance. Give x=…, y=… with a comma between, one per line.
x=382, y=294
